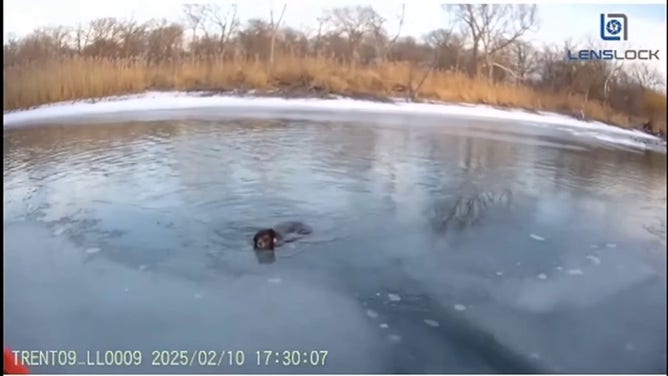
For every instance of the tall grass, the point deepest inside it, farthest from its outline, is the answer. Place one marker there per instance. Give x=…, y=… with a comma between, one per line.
x=76, y=77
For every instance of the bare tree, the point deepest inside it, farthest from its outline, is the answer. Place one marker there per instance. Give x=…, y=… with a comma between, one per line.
x=415, y=82
x=164, y=41
x=103, y=34
x=274, y=30
x=317, y=43
x=227, y=23
x=353, y=23
x=103, y=29
x=132, y=37
x=437, y=40
x=450, y=47
x=647, y=77
x=493, y=27
x=523, y=60
x=382, y=43
x=59, y=35
x=255, y=39
x=195, y=15
x=613, y=71
x=81, y=37
x=41, y=44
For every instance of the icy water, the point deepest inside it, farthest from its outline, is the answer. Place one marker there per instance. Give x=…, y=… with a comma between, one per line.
x=438, y=246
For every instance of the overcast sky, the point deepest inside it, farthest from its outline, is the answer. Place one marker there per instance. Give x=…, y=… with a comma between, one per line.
x=558, y=20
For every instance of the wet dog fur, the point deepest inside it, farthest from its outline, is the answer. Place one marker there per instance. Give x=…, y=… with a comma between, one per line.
x=270, y=238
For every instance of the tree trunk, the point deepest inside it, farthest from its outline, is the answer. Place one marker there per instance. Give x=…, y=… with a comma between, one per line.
x=274, y=30
x=271, y=49
x=490, y=70
x=473, y=68
x=192, y=45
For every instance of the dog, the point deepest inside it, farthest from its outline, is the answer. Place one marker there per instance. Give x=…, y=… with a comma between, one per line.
x=270, y=238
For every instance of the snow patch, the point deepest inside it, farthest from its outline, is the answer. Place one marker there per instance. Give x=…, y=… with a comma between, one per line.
x=163, y=101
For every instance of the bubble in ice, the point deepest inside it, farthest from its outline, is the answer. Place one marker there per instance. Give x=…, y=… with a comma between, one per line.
x=432, y=323
x=594, y=259
x=394, y=338
x=371, y=313
x=537, y=237
x=460, y=307
x=393, y=297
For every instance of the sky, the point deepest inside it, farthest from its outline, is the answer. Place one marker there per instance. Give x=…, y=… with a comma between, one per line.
x=559, y=21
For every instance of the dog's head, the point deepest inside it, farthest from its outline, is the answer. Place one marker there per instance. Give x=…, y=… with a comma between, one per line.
x=265, y=239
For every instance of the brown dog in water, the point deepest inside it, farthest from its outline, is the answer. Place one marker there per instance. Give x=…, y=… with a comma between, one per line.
x=270, y=238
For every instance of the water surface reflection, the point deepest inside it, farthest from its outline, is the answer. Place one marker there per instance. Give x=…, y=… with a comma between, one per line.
x=139, y=235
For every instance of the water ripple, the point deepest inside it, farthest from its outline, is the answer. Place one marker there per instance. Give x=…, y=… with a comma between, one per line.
x=182, y=200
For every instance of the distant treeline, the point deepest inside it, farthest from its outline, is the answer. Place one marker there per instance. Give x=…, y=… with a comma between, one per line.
x=481, y=56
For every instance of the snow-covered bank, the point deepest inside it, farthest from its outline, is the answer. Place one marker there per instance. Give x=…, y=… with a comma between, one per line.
x=158, y=101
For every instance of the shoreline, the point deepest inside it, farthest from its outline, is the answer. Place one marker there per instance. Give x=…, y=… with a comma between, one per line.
x=305, y=100
x=301, y=93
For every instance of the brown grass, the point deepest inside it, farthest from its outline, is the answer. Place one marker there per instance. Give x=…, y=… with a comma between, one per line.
x=82, y=78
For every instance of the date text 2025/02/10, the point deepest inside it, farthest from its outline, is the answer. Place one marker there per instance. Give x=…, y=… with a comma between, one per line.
x=239, y=358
